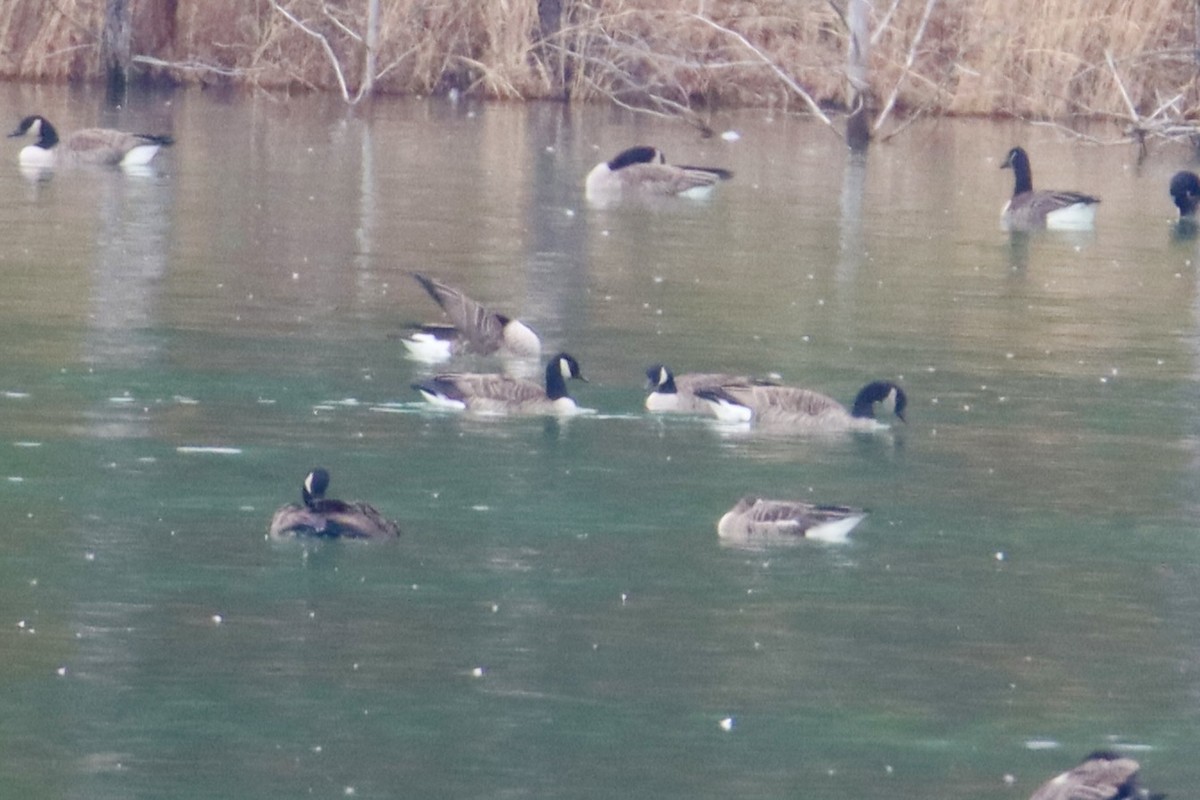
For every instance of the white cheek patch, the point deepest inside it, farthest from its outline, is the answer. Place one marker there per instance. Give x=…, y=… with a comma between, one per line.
x=564, y=368
x=889, y=402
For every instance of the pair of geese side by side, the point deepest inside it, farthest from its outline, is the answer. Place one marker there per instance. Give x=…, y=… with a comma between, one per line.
x=473, y=328
x=319, y=516
x=102, y=146
x=741, y=399
x=757, y=520
x=1031, y=209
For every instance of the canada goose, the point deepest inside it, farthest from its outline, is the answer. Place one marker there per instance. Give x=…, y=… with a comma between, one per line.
x=501, y=394
x=802, y=408
x=645, y=170
x=1103, y=775
x=1028, y=209
x=473, y=328
x=1185, y=190
x=676, y=393
x=87, y=146
x=318, y=516
x=755, y=519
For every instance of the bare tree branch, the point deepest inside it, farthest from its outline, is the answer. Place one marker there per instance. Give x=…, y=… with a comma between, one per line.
x=912, y=57
x=812, y=104
x=196, y=66
x=324, y=42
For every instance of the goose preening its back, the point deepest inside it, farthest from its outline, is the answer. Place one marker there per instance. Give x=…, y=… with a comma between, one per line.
x=1030, y=209
x=87, y=146
x=1103, y=775
x=493, y=393
x=804, y=409
x=677, y=393
x=1185, y=191
x=473, y=328
x=317, y=515
x=758, y=520
x=644, y=170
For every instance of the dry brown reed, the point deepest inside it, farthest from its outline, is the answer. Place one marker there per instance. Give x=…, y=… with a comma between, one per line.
x=1131, y=60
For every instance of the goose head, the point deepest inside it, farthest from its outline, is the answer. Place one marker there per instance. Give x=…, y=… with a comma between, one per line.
x=316, y=483
x=38, y=127
x=561, y=368
x=1018, y=161
x=1185, y=191
x=637, y=155
x=888, y=394
x=659, y=378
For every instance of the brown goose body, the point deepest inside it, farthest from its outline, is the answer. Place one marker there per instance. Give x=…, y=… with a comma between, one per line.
x=1031, y=209
x=328, y=518
x=1103, y=775
x=472, y=328
x=495, y=393
x=100, y=146
x=757, y=520
x=645, y=171
x=804, y=409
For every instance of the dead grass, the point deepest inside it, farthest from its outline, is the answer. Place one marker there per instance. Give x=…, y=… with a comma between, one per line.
x=1048, y=59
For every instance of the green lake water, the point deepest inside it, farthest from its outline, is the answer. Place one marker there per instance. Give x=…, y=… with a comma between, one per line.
x=559, y=619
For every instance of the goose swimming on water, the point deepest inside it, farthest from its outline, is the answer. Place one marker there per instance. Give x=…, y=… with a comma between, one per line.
x=758, y=520
x=473, y=328
x=493, y=393
x=673, y=393
x=644, y=170
x=317, y=515
x=1030, y=209
x=87, y=146
x=804, y=409
x=1103, y=775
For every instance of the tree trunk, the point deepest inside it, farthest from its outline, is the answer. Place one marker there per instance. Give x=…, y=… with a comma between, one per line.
x=115, y=50
x=372, y=39
x=858, y=124
x=549, y=25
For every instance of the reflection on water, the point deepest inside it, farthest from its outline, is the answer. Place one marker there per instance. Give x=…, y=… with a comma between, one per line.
x=559, y=617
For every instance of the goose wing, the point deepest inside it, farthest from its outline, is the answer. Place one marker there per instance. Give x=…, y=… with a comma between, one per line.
x=108, y=146
x=691, y=381
x=1094, y=779
x=482, y=328
x=803, y=515
x=755, y=519
x=1047, y=201
x=354, y=520
x=494, y=387
x=293, y=519
x=667, y=178
x=790, y=399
